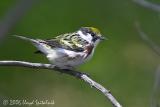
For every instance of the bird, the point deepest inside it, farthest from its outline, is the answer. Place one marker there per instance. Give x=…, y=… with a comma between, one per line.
x=69, y=50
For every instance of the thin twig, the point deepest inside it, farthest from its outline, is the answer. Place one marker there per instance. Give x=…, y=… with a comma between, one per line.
x=73, y=73
x=147, y=4
x=156, y=87
x=146, y=39
x=14, y=15
x=156, y=49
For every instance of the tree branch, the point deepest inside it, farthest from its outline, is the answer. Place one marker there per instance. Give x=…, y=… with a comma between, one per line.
x=14, y=15
x=156, y=49
x=146, y=39
x=156, y=87
x=73, y=73
x=152, y=6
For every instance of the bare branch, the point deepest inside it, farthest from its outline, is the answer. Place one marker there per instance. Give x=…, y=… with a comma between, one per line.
x=99, y=87
x=145, y=38
x=156, y=88
x=13, y=16
x=73, y=73
x=156, y=49
x=147, y=4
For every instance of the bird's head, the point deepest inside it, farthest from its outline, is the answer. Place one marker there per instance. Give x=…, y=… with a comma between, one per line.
x=91, y=34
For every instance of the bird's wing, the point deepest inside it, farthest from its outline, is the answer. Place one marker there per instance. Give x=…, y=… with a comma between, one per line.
x=69, y=41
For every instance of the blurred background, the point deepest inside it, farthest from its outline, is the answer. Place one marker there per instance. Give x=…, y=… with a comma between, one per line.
x=128, y=63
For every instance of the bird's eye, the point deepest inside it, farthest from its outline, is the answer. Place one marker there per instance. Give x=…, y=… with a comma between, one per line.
x=92, y=34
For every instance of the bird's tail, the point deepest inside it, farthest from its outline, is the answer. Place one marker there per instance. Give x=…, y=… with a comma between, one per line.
x=27, y=39
x=38, y=43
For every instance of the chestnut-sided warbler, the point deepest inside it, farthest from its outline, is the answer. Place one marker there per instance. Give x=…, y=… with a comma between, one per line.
x=69, y=50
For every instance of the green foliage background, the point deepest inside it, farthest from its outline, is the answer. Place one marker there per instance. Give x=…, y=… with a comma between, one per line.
x=125, y=64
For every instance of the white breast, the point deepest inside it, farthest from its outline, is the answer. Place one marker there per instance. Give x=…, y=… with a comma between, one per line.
x=65, y=58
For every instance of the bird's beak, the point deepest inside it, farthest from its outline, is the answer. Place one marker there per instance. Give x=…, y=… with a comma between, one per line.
x=103, y=38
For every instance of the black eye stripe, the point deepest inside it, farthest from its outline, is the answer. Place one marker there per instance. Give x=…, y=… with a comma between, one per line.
x=94, y=39
x=93, y=34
